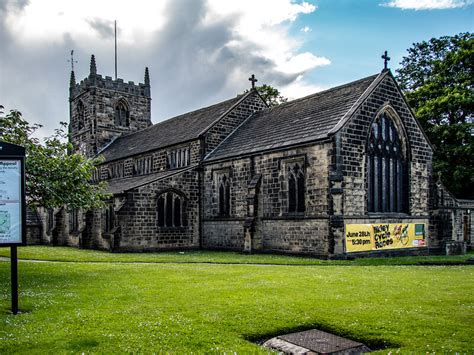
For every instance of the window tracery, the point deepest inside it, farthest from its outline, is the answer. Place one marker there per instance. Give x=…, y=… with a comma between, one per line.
x=80, y=115
x=122, y=114
x=224, y=196
x=387, y=168
x=171, y=208
x=296, y=189
x=178, y=158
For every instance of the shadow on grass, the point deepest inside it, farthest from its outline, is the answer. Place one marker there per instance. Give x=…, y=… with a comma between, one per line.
x=83, y=344
x=372, y=343
x=8, y=311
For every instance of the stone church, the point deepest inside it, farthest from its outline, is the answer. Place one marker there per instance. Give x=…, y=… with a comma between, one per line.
x=346, y=170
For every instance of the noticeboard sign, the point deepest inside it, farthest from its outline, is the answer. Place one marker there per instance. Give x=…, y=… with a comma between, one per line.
x=372, y=237
x=12, y=195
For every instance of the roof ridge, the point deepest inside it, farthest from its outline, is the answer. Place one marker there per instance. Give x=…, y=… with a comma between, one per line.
x=359, y=101
x=323, y=110
x=171, y=119
x=242, y=98
x=327, y=90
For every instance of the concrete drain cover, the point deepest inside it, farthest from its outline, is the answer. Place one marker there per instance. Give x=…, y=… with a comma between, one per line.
x=315, y=342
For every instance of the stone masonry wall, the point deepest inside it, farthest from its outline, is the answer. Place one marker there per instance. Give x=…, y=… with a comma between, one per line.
x=99, y=98
x=139, y=230
x=307, y=236
x=227, y=234
x=351, y=163
x=158, y=157
x=219, y=131
x=276, y=229
x=353, y=148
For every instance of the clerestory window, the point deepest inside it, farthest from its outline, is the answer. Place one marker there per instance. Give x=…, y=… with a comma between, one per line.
x=387, y=168
x=178, y=158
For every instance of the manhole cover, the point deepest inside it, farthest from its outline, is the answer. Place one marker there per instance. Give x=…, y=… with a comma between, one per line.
x=315, y=341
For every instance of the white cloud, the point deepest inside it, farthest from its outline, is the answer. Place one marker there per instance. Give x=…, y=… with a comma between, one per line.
x=300, y=88
x=306, y=29
x=301, y=63
x=427, y=4
x=199, y=52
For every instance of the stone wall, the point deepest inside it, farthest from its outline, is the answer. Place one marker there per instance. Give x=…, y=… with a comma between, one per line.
x=451, y=219
x=302, y=236
x=349, y=172
x=276, y=229
x=220, y=130
x=353, y=147
x=224, y=234
x=137, y=219
x=100, y=97
x=158, y=158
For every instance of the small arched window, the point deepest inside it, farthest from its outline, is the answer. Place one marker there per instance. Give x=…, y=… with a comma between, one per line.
x=387, y=168
x=109, y=218
x=296, y=189
x=171, y=210
x=224, y=196
x=80, y=115
x=122, y=114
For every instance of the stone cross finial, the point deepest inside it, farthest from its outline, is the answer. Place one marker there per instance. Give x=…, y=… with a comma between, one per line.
x=385, y=58
x=253, y=80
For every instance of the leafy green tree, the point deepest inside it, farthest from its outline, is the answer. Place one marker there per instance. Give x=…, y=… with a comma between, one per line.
x=437, y=78
x=53, y=177
x=271, y=95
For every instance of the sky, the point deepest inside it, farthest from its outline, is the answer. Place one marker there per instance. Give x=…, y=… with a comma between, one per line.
x=200, y=52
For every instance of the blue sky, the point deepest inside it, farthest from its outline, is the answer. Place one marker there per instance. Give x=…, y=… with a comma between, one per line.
x=353, y=34
x=201, y=52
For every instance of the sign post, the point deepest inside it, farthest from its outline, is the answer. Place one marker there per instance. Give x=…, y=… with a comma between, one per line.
x=12, y=207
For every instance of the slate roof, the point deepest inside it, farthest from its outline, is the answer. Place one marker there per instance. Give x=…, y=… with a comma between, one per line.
x=172, y=131
x=306, y=119
x=122, y=185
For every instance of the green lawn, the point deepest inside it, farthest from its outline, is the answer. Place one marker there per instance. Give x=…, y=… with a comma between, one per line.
x=192, y=305
x=74, y=254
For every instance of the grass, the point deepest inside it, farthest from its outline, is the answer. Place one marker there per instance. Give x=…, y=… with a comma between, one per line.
x=186, y=306
x=198, y=256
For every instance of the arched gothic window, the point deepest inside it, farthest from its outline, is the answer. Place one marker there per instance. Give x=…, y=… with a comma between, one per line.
x=122, y=115
x=80, y=115
x=387, y=168
x=224, y=196
x=171, y=208
x=296, y=187
x=109, y=218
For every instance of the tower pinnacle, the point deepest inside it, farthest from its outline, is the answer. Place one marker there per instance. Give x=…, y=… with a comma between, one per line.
x=147, y=77
x=93, y=67
x=72, y=80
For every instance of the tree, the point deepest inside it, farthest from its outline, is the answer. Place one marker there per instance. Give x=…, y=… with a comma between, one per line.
x=437, y=78
x=53, y=177
x=271, y=95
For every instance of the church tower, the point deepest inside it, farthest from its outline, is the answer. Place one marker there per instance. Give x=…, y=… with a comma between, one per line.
x=102, y=109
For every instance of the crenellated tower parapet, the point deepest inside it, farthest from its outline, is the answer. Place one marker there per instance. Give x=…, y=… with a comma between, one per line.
x=102, y=109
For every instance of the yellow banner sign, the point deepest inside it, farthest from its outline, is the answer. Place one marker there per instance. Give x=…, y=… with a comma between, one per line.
x=368, y=237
